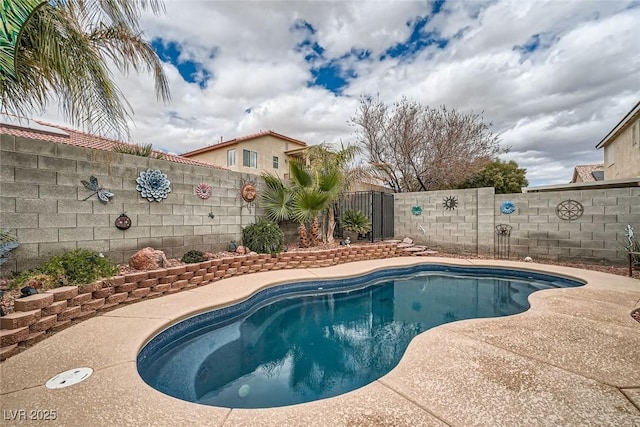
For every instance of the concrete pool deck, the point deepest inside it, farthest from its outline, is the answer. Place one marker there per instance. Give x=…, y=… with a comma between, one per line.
x=573, y=358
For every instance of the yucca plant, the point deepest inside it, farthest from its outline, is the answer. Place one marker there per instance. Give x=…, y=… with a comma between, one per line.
x=145, y=150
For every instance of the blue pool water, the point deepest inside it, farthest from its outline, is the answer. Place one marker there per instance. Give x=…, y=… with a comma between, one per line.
x=312, y=340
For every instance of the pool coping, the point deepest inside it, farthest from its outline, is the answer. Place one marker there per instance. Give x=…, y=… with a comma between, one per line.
x=478, y=371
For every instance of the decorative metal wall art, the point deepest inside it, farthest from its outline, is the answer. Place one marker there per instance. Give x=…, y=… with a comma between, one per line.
x=248, y=193
x=450, y=203
x=507, y=207
x=203, y=190
x=503, y=242
x=416, y=210
x=628, y=232
x=569, y=210
x=103, y=195
x=123, y=222
x=153, y=185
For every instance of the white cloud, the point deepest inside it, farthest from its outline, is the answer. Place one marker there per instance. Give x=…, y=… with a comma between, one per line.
x=552, y=105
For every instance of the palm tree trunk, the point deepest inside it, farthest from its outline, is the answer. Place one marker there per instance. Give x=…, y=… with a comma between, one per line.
x=331, y=224
x=314, y=231
x=302, y=236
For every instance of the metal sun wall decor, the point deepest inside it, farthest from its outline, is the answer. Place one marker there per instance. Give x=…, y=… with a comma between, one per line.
x=450, y=203
x=203, y=190
x=153, y=185
x=103, y=195
x=416, y=210
x=507, y=207
x=248, y=193
x=569, y=210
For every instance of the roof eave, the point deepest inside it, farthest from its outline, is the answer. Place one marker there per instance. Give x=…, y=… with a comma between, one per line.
x=628, y=118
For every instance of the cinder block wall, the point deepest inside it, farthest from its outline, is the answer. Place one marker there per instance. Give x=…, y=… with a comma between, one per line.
x=598, y=235
x=42, y=201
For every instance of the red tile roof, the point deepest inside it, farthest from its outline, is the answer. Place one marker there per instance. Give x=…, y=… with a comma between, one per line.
x=240, y=139
x=585, y=172
x=83, y=139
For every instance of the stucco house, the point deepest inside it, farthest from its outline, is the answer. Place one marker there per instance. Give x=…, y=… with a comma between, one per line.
x=266, y=151
x=622, y=147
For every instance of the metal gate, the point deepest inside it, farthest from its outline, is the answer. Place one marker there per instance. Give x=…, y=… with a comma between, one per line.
x=376, y=205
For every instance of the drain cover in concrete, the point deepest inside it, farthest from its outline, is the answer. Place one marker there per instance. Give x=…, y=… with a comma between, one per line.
x=70, y=377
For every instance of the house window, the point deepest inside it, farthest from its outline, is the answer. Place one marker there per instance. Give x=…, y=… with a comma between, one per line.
x=249, y=159
x=231, y=157
x=275, y=162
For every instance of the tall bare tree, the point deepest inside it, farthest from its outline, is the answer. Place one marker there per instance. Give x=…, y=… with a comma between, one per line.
x=418, y=148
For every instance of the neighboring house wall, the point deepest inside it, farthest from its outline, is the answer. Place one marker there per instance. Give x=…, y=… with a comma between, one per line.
x=598, y=235
x=266, y=147
x=622, y=147
x=622, y=154
x=42, y=202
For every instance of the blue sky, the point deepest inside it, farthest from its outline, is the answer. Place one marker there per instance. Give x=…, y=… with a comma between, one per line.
x=553, y=77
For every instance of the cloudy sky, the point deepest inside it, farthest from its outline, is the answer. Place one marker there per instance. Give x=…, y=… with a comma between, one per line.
x=552, y=76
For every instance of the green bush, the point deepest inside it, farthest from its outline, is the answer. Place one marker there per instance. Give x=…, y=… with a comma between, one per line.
x=77, y=267
x=264, y=237
x=355, y=222
x=193, y=257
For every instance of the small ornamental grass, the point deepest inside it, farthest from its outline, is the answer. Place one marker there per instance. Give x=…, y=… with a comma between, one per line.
x=264, y=237
x=77, y=267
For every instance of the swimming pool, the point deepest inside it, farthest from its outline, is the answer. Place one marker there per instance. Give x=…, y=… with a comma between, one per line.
x=311, y=340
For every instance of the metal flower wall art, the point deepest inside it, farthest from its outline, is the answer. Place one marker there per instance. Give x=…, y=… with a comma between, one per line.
x=203, y=190
x=153, y=185
x=103, y=195
x=507, y=207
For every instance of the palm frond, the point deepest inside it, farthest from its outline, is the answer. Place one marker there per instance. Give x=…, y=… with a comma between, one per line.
x=276, y=202
x=300, y=175
x=307, y=204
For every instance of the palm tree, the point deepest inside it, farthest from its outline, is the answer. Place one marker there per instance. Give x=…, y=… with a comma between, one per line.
x=302, y=201
x=62, y=54
x=323, y=161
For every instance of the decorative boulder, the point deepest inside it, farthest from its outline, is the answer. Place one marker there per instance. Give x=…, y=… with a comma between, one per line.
x=148, y=259
x=407, y=240
x=241, y=250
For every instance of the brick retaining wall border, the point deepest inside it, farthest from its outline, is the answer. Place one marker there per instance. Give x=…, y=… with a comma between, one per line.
x=38, y=316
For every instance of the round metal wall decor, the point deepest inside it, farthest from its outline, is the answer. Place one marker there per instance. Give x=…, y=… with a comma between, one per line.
x=203, y=190
x=123, y=222
x=569, y=210
x=416, y=210
x=507, y=207
x=153, y=185
x=450, y=203
x=248, y=192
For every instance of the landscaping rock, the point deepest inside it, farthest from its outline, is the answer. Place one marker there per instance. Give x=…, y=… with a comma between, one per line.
x=148, y=259
x=241, y=250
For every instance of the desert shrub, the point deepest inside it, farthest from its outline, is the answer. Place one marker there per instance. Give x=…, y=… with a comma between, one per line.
x=355, y=221
x=193, y=256
x=76, y=267
x=263, y=236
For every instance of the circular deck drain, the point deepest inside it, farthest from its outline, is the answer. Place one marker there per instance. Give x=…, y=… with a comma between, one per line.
x=70, y=377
